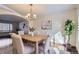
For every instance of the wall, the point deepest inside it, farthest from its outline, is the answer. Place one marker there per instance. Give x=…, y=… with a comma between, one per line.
x=77, y=35
x=24, y=26
x=15, y=26
x=58, y=20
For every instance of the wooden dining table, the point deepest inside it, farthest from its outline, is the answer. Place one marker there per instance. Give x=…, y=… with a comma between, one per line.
x=35, y=38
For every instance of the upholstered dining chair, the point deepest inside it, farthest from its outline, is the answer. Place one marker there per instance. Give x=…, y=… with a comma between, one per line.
x=18, y=45
x=47, y=45
x=21, y=32
x=59, y=39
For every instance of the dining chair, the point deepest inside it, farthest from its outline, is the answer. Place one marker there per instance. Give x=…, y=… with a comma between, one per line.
x=21, y=32
x=47, y=45
x=18, y=46
x=59, y=38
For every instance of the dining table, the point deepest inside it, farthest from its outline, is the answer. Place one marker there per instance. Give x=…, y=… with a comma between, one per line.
x=35, y=38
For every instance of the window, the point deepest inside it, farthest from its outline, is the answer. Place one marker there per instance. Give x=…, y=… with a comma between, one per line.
x=5, y=27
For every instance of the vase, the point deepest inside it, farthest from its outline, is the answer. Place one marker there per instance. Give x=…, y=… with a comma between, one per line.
x=32, y=33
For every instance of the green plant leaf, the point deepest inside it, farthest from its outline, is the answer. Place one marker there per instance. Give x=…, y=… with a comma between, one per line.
x=69, y=27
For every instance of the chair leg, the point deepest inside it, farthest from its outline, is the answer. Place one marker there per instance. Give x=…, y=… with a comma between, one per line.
x=36, y=47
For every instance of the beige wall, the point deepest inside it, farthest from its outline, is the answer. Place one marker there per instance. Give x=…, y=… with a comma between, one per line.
x=57, y=23
x=77, y=34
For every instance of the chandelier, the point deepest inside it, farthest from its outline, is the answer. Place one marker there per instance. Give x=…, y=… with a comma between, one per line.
x=30, y=15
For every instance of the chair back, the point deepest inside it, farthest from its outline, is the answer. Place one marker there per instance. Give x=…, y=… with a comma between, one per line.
x=47, y=45
x=17, y=43
x=21, y=32
x=59, y=38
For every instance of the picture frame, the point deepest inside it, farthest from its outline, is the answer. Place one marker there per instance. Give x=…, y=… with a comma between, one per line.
x=47, y=25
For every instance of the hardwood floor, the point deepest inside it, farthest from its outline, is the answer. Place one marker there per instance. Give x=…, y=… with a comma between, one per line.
x=6, y=50
x=5, y=46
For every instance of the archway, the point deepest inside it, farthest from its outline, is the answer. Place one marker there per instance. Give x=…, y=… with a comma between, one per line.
x=15, y=20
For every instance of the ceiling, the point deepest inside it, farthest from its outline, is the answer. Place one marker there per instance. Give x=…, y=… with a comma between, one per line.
x=39, y=9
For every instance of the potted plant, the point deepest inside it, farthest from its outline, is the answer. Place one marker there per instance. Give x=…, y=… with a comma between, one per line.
x=69, y=28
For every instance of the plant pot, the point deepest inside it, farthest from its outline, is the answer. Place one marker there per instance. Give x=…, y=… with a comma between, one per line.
x=68, y=47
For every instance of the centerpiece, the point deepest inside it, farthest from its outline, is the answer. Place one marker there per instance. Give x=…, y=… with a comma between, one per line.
x=31, y=31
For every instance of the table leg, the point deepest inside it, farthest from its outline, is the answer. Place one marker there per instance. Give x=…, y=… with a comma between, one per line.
x=36, y=47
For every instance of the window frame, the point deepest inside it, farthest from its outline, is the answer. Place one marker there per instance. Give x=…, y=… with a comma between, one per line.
x=9, y=27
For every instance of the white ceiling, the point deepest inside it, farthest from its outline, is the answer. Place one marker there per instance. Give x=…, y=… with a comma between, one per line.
x=39, y=9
